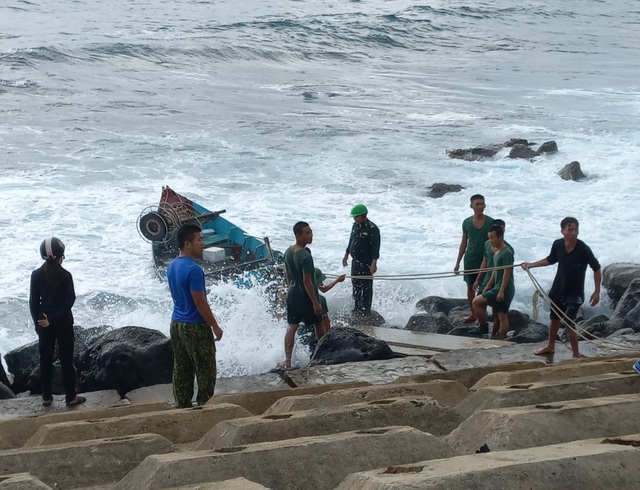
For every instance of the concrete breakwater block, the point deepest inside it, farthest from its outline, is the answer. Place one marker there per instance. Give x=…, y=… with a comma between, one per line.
x=448, y=393
x=318, y=463
x=178, y=426
x=469, y=376
x=235, y=484
x=258, y=401
x=15, y=432
x=540, y=425
x=587, y=465
x=84, y=464
x=22, y=481
x=423, y=413
x=551, y=373
x=547, y=392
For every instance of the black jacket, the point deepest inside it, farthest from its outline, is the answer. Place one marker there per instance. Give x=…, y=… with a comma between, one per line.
x=364, y=242
x=55, y=302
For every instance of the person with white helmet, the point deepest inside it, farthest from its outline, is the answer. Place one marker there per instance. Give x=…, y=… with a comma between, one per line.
x=51, y=298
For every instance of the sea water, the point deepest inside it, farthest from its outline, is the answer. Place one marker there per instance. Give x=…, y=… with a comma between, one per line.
x=297, y=110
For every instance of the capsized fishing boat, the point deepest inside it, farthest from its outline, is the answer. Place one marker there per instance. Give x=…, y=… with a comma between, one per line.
x=229, y=251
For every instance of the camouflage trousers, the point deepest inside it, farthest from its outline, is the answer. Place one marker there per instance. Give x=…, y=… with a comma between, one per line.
x=194, y=352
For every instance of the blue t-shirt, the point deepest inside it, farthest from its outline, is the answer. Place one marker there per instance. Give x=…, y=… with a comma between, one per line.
x=185, y=277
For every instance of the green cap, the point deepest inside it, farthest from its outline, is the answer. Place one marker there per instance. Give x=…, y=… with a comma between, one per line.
x=358, y=210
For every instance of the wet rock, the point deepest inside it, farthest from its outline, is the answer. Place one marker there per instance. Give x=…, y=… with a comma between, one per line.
x=572, y=171
x=439, y=189
x=429, y=322
x=3, y=375
x=34, y=385
x=595, y=326
x=21, y=362
x=522, y=151
x=463, y=331
x=517, y=141
x=518, y=320
x=627, y=312
x=373, y=319
x=438, y=304
x=459, y=313
x=125, y=359
x=548, y=147
x=533, y=332
x=5, y=392
x=345, y=344
x=474, y=154
x=616, y=278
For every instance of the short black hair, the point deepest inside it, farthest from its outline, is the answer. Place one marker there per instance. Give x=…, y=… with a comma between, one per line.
x=567, y=221
x=476, y=196
x=187, y=233
x=497, y=229
x=299, y=226
x=499, y=222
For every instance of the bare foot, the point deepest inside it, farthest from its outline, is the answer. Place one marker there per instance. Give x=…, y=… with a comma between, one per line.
x=284, y=365
x=544, y=351
x=469, y=319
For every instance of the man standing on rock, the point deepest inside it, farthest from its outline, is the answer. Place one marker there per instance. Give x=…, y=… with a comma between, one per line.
x=567, y=292
x=364, y=248
x=474, y=234
x=194, y=329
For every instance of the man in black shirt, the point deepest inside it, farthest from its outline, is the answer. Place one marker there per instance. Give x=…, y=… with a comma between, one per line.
x=567, y=292
x=364, y=248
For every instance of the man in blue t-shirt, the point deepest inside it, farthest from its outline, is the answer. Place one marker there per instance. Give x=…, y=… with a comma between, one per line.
x=194, y=329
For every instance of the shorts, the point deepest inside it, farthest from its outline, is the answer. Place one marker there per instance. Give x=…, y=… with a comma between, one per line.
x=470, y=278
x=302, y=313
x=570, y=307
x=323, y=303
x=498, y=306
x=473, y=264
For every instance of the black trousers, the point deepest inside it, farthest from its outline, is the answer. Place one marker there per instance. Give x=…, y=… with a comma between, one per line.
x=362, y=288
x=48, y=337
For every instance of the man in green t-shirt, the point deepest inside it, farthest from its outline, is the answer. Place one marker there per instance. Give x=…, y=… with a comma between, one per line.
x=474, y=234
x=500, y=289
x=302, y=296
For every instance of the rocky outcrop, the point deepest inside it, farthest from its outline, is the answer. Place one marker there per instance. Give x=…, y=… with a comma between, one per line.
x=474, y=154
x=616, y=278
x=429, y=322
x=438, y=304
x=439, y=189
x=522, y=151
x=125, y=359
x=627, y=312
x=532, y=332
x=548, y=147
x=21, y=362
x=346, y=344
x=572, y=171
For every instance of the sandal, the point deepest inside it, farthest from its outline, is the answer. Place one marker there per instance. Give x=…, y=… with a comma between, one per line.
x=76, y=401
x=47, y=402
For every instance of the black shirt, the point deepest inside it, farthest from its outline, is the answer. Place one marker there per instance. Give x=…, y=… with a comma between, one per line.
x=55, y=302
x=364, y=242
x=572, y=267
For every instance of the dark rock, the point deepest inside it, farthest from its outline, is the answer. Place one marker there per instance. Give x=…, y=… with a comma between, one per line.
x=522, y=151
x=21, y=362
x=548, y=147
x=373, y=319
x=616, y=278
x=439, y=189
x=345, y=344
x=5, y=392
x=459, y=313
x=83, y=337
x=627, y=312
x=533, y=332
x=517, y=141
x=466, y=332
x=34, y=385
x=595, y=326
x=518, y=320
x=438, y=304
x=3, y=376
x=474, y=154
x=572, y=171
x=125, y=359
x=429, y=322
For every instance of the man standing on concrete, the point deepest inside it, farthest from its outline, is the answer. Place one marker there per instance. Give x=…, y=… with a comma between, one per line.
x=567, y=292
x=194, y=329
x=364, y=248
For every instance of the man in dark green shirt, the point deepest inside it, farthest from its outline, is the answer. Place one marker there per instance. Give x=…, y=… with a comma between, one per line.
x=364, y=248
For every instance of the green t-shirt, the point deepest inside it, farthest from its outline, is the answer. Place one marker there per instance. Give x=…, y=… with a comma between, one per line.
x=475, y=241
x=297, y=263
x=502, y=258
x=488, y=254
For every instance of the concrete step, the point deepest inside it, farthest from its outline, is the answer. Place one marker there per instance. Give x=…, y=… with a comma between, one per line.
x=177, y=425
x=318, y=463
x=587, y=465
x=446, y=392
x=505, y=429
x=83, y=464
x=548, y=392
x=22, y=481
x=234, y=484
x=423, y=413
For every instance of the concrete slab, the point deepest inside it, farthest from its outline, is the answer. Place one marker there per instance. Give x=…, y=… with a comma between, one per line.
x=470, y=376
x=551, y=373
x=432, y=341
x=22, y=481
x=235, y=484
x=15, y=432
x=85, y=463
x=548, y=392
x=235, y=384
x=318, y=463
x=177, y=425
x=587, y=465
x=504, y=429
x=31, y=406
x=423, y=413
x=374, y=372
x=446, y=392
x=257, y=402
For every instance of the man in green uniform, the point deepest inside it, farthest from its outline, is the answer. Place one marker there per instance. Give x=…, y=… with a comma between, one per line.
x=474, y=234
x=302, y=297
x=500, y=290
x=364, y=248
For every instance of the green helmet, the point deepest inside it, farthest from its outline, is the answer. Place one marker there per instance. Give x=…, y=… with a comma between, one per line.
x=358, y=210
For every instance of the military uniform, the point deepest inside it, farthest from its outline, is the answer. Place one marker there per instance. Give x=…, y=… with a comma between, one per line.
x=364, y=248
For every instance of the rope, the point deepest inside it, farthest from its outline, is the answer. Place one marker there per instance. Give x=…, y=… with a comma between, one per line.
x=424, y=275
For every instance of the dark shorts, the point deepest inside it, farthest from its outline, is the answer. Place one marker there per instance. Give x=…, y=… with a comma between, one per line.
x=498, y=306
x=302, y=313
x=569, y=306
x=470, y=278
